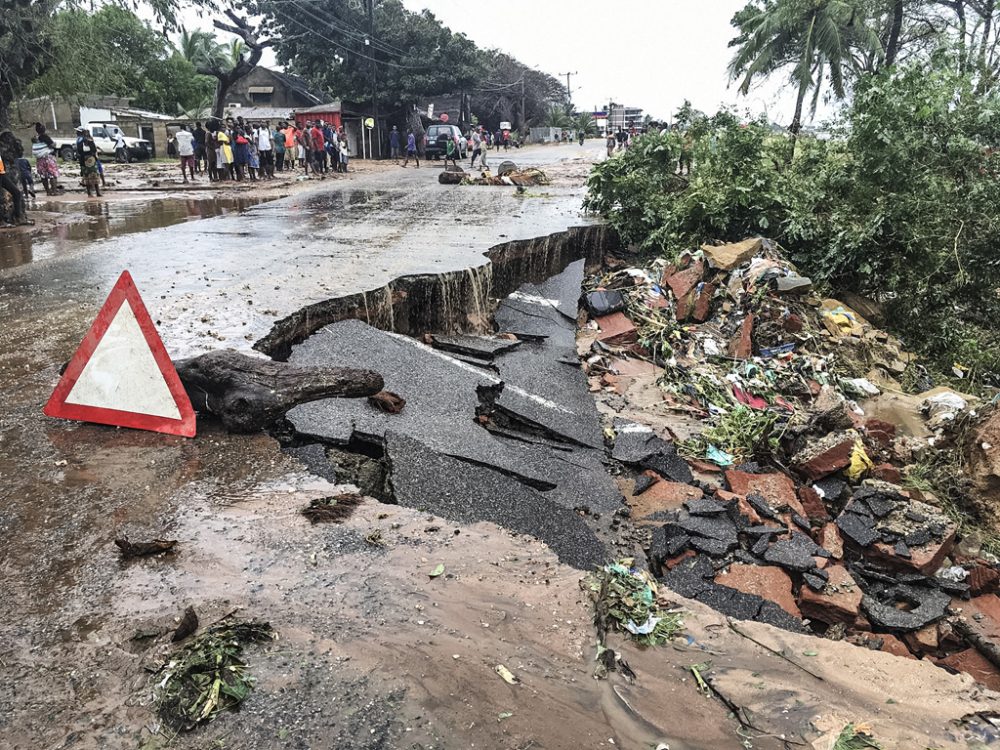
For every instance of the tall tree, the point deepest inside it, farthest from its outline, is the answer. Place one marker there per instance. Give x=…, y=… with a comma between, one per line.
x=813, y=39
x=510, y=90
x=230, y=65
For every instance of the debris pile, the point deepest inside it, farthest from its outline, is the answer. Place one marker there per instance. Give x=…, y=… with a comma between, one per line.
x=770, y=450
x=518, y=177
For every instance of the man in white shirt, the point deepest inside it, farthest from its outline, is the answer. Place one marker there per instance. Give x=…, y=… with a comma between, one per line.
x=265, y=148
x=185, y=149
x=121, y=149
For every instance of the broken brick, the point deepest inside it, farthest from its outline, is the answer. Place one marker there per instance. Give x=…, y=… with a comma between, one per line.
x=616, y=330
x=892, y=645
x=777, y=489
x=672, y=562
x=840, y=600
x=741, y=347
x=829, y=539
x=682, y=282
x=703, y=303
x=880, y=431
x=926, y=559
x=826, y=456
x=974, y=664
x=812, y=505
x=924, y=640
x=887, y=473
x=661, y=497
x=728, y=257
x=983, y=580
x=793, y=323
x=765, y=581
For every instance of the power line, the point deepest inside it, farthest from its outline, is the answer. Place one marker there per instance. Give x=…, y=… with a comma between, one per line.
x=347, y=29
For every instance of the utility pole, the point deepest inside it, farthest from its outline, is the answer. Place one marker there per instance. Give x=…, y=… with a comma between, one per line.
x=524, y=119
x=569, y=91
x=376, y=132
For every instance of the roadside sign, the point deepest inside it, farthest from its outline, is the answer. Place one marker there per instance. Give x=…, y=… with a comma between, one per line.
x=121, y=374
x=505, y=125
x=370, y=122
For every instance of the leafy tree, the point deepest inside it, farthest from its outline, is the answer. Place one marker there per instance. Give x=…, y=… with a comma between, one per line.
x=811, y=38
x=558, y=117
x=411, y=56
x=508, y=86
x=111, y=51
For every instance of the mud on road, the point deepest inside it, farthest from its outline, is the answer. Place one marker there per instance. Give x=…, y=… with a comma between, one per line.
x=372, y=651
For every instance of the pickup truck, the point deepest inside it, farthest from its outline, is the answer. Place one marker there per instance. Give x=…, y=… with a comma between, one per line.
x=104, y=136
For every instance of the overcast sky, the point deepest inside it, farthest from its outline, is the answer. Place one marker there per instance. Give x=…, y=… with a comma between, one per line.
x=652, y=54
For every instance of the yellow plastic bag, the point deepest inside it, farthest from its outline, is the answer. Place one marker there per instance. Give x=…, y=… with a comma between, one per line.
x=860, y=463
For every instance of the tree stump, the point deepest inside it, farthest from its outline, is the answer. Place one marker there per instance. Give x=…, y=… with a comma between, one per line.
x=250, y=393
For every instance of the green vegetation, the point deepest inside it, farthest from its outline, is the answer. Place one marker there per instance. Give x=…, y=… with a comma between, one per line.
x=741, y=432
x=626, y=600
x=208, y=675
x=902, y=204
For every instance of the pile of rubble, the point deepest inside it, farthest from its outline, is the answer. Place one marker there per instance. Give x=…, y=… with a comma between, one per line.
x=765, y=441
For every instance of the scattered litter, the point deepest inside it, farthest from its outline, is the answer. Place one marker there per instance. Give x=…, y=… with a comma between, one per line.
x=626, y=599
x=187, y=626
x=131, y=549
x=856, y=737
x=943, y=408
x=439, y=570
x=506, y=675
x=860, y=387
x=208, y=675
x=333, y=509
x=860, y=462
x=504, y=715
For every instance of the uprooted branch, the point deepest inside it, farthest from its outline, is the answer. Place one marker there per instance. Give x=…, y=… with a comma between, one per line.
x=249, y=393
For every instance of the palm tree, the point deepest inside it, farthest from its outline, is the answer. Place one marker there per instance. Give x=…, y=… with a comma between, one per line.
x=200, y=47
x=557, y=117
x=813, y=37
x=585, y=123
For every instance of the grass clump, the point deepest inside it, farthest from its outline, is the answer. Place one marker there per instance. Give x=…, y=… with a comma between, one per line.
x=626, y=599
x=741, y=432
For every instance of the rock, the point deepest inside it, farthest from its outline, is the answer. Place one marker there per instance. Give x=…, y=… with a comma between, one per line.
x=634, y=442
x=616, y=330
x=741, y=347
x=604, y=302
x=880, y=431
x=452, y=176
x=926, y=606
x=893, y=645
x=832, y=490
x=793, y=284
x=839, y=601
x=765, y=581
x=643, y=482
x=826, y=455
x=974, y=664
x=777, y=489
x=728, y=257
x=887, y=473
x=793, y=323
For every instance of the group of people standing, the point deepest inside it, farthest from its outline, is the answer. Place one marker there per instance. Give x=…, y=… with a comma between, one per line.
x=232, y=149
x=17, y=177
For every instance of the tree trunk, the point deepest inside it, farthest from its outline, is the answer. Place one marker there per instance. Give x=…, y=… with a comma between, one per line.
x=892, y=46
x=219, y=102
x=796, y=125
x=250, y=393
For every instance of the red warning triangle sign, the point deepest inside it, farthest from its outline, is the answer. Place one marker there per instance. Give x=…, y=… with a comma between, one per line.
x=122, y=375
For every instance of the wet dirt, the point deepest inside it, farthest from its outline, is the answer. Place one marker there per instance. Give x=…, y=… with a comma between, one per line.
x=73, y=225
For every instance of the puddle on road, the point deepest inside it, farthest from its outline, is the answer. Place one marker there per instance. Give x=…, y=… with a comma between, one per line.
x=81, y=222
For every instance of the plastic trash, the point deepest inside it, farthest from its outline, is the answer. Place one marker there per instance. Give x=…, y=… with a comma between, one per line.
x=605, y=302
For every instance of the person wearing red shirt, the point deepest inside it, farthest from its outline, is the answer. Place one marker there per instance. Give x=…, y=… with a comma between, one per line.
x=318, y=142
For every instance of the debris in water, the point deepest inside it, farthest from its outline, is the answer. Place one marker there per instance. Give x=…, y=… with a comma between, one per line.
x=387, y=401
x=334, y=509
x=130, y=549
x=506, y=675
x=856, y=737
x=208, y=675
x=627, y=598
x=188, y=625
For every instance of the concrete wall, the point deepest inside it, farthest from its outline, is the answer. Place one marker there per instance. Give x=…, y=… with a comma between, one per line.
x=283, y=96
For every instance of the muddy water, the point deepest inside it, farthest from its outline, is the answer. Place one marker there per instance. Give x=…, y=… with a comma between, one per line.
x=80, y=222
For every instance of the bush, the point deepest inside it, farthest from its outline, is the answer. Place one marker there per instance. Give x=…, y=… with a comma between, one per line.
x=902, y=205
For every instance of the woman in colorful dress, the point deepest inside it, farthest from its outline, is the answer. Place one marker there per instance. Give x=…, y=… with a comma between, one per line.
x=43, y=148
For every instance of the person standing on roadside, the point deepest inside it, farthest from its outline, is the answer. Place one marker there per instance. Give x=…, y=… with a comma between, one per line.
x=304, y=147
x=200, y=141
x=86, y=154
x=611, y=143
x=8, y=185
x=450, y=151
x=44, y=151
x=265, y=149
x=278, y=138
x=345, y=151
x=121, y=148
x=477, y=148
x=318, y=143
x=185, y=150
x=411, y=149
x=394, y=144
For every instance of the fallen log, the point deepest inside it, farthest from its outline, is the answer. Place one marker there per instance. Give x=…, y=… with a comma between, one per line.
x=249, y=393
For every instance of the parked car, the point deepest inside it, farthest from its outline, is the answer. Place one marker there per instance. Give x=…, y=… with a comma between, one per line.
x=437, y=138
x=104, y=137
